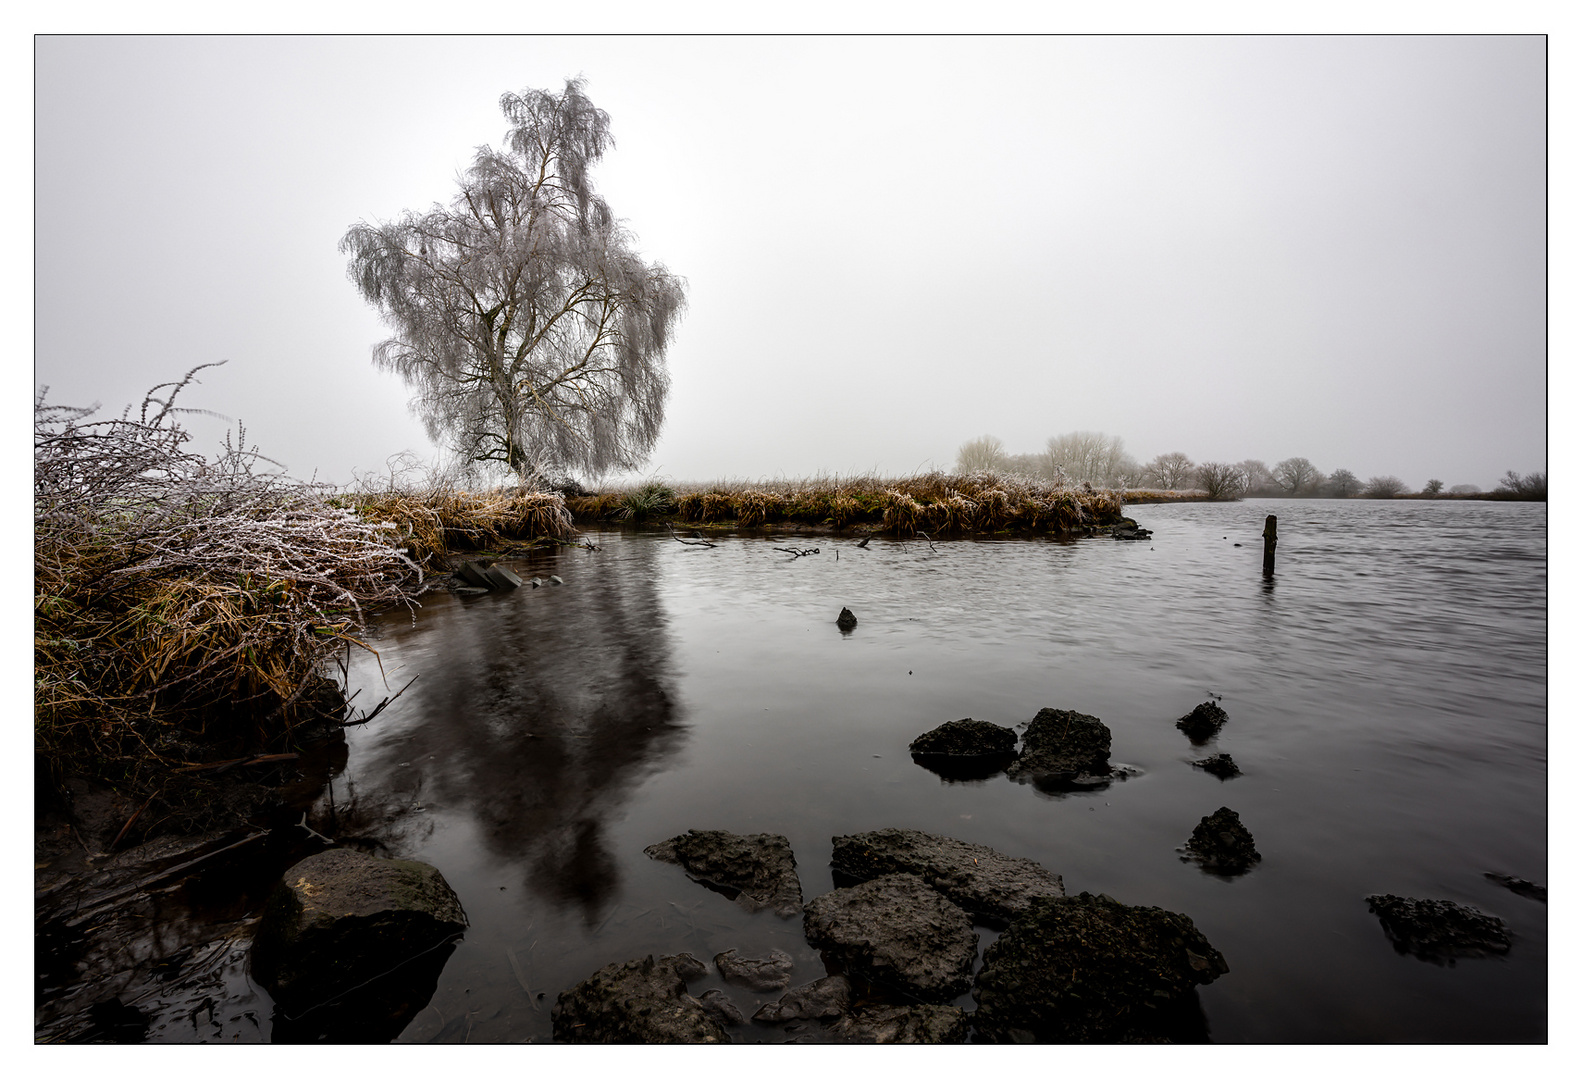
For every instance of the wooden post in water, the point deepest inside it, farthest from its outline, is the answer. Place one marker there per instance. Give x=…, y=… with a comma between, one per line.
x=1269, y=544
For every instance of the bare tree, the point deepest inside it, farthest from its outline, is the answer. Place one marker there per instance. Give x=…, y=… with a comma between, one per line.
x=985, y=453
x=1434, y=487
x=1221, y=482
x=1170, y=471
x=1383, y=487
x=532, y=334
x=1257, y=478
x=1297, y=476
x=1343, y=484
x=1534, y=486
x=1088, y=455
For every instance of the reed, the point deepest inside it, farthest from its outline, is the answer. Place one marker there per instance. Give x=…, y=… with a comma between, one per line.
x=947, y=504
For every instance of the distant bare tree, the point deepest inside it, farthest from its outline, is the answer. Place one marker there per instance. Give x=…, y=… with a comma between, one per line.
x=1465, y=489
x=1383, y=487
x=1218, y=481
x=1343, y=484
x=1032, y=466
x=1433, y=487
x=1088, y=455
x=1170, y=471
x=1532, y=487
x=1257, y=478
x=983, y=453
x=532, y=334
x=1297, y=476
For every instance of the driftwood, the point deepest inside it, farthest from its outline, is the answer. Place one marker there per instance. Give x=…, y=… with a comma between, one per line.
x=797, y=554
x=360, y=721
x=700, y=542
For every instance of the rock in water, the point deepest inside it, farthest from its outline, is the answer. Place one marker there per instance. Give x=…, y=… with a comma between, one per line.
x=1203, y=723
x=640, y=1001
x=1220, y=765
x=717, y=1005
x=1062, y=748
x=1520, y=886
x=926, y=1024
x=1089, y=969
x=846, y=620
x=968, y=737
x=760, y=974
x=897, y=931
x=991, y=887
x=340, y=917
x=688, y=966
x=820, y=999
x=1222, y=844
x=1438, y=930
x=756, y=870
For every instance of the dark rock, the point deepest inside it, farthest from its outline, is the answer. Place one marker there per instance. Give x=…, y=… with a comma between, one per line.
x=991, y=887
x=1127, y=529
x=970, y=738
x=1222, y=844
x=340, y=918
x=820, y=999
x=717, y=1005
x=930, y=1024
x=1438, y=931
x=501, y=578
x=1520, y=886
x=846, y=620
x=686, y=965
x=475, y=574
x=897, y=931
x=368, y=935
x=760, y=974
x=1203, y=723
x=756, y=870
x=1219, y=765
x=1089, y=969
x=1064, y=749
x=639, y=1001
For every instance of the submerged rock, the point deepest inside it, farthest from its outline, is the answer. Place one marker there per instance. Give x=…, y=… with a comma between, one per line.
x=340, y=918
x=1203, y=723
x=1089, y=969
x=820, y=999
x=688, y=966
x=897, y=931
x=640, y=1001
x=1220, y=765
x=991, y=887
x=759, y=974
x=846, y=620
x=717, y=1005
x=1064, y=749
x=928, y=1024
x=1520, y=886
x=1222, y=844
x=756, y=870
x=1438, y=930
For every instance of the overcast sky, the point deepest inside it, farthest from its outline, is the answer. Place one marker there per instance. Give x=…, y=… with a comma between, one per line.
x=1232, y=247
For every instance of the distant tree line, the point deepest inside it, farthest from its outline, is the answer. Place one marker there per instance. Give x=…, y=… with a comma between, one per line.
x=1102, y=461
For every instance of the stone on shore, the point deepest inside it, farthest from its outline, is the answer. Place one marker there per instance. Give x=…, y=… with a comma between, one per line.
x=992, y=888
x=760, y=974
x=1089, y=969
x=340, y=918
x=756, y=870
x=1203, y=723
x=1222, y=844
x=1438, y=931
x=1064, y=749
x=897, y=931
x=717, y=1005
x=640, y=1001
x=926, y=1024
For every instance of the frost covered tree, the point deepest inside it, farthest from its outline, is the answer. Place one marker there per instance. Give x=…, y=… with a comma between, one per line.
x=1170, y=471
x=983, y=453
x=532, y=334
x=1088, y=455
x=1297, y=476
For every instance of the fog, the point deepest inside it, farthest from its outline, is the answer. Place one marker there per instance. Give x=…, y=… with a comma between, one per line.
x=1234, y=248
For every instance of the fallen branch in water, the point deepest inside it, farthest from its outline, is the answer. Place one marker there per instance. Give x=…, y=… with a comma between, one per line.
x=700, y=542
x=926, y=537
x=794, y=553
x=378, y=708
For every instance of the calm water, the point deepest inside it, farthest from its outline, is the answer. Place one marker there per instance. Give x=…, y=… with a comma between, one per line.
x=1386, y=695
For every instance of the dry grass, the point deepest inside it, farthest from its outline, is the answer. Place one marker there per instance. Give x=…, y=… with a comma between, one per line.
x=937, y=503
x=182, y=603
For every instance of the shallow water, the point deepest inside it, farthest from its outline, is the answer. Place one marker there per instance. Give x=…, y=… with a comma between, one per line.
x=1386, y=694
